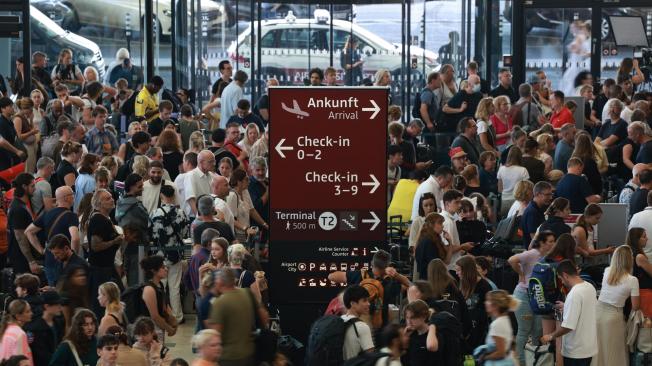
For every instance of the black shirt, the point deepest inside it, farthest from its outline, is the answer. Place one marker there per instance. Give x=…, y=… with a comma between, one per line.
x=18, y=218
x=8, y=132
x=638, y=201
x=101, y=226
x=426, y=251
x=221, y=153
x=576, y=189
x=417, y=353
x=43, y=339
x=556, y=225
x=599, y=103
x=171, y=162
x=510, y=92
x=64, y=169
x=644, y=155
x=409, y=158
x=532, y=217
x=535, y=168
x=218, y=86
x=155, y=127
x=263, y=103
x=250, y=118
x=223, y=228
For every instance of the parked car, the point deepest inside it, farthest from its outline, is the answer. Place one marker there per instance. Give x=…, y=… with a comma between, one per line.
x=281, y=10
x=290, y=47
x=50, y=38
x=111, y=15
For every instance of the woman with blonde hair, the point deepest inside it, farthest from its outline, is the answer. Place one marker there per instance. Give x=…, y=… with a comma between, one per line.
x=26, y=132
x=111, y=164
x=141, y=166
x=251, y=136
x=510, y=174
x=196, y=142
x=66, y=72
x=486, y=130
x=13, y=339
x=618, y=284
x=523, y=194
x=39, y=119
x=502, y=121
x=126, y=150
x=109, y=298
x=546, y=147
x=208, y=343
x=382, y=78
x=498, y=304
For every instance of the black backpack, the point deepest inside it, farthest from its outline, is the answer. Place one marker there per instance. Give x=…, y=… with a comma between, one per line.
x=449, y=305
x=367, y=359
x=134, y=304
x=326, y=341
x=129, y=107
x=449, y=336
x=416, y=108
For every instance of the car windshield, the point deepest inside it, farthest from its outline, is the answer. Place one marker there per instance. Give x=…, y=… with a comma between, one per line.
x=44, y=23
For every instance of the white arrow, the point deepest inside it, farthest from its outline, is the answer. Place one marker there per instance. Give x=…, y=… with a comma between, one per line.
x=280, y=148
x=375, y=221
x=374, y=109
x=375, y=184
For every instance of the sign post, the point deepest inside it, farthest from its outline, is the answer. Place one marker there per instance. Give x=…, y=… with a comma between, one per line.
x=328, y=186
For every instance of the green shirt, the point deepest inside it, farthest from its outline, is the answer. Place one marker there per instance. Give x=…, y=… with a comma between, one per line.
x=63, y=355
x=235, y=312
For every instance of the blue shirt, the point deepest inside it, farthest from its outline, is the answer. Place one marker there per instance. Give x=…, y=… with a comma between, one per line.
x=231, y=95
x=95, y=139
x=533, y=216
x=575, y=188
x=85, y=183
x=563, y=152
x=618, y=129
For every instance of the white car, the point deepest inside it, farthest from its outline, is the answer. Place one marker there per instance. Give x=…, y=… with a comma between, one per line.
x=112, y=14
x=291, y=47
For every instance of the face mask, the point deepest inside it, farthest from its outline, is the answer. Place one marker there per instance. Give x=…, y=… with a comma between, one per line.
x=476, y=88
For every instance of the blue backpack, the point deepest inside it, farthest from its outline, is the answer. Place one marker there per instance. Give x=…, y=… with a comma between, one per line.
x=542, y=290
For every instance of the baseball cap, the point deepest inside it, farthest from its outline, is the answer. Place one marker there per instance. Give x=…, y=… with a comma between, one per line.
x=456, y=152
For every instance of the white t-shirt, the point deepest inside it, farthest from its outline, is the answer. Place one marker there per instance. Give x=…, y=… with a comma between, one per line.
x=515, y=209
x=451, y=228
x=354, y=344
x=643, y=220
x=179, y=182
x=579, y=315
x=618, y=294
x=430, y=185
x=483, y=126
x=221, y=206
x=510, y=175
x=501, y=327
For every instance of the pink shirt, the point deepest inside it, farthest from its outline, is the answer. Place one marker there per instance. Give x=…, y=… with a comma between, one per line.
x=14, y=343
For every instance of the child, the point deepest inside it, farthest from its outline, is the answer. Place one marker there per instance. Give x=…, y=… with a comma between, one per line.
x=107, y=350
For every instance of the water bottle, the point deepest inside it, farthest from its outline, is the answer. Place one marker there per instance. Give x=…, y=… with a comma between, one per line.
x=469, y=361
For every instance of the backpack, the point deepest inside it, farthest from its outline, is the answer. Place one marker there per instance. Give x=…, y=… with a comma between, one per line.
x=416, y=108
x=367, y=359
x=134, y=306
x=542, y=287
x=49, y=144
x=449, y=305
x=326, y=341
x=376, y=292
x=449, y=337
x=129, y=106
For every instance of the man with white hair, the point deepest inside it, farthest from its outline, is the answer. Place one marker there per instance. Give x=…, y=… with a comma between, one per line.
x=122, y=68
x=632, y=185
x=640, y=134
x=220, y=190
x=198, y=181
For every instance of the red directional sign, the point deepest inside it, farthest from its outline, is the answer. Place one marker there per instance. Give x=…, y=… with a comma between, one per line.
x=328, y=175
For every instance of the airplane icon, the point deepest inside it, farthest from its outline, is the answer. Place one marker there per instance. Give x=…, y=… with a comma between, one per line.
x=296, y=110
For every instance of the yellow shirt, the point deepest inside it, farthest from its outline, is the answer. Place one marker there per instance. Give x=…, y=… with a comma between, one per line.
x=146, y=102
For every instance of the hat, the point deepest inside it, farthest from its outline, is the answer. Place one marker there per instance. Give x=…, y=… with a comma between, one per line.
x=456, y=152
x=534, y=79
x=51, y=298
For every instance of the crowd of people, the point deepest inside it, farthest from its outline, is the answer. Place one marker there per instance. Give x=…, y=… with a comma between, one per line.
x=122, y=199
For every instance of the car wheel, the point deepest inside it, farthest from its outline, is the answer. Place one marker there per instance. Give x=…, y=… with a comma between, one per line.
x=605, y=29
x=71, y=21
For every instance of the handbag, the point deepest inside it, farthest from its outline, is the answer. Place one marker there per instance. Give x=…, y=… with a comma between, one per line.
x=538, y=355
x=266, y=340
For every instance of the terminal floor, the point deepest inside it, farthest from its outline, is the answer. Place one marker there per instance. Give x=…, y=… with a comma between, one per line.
x=180, y=344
